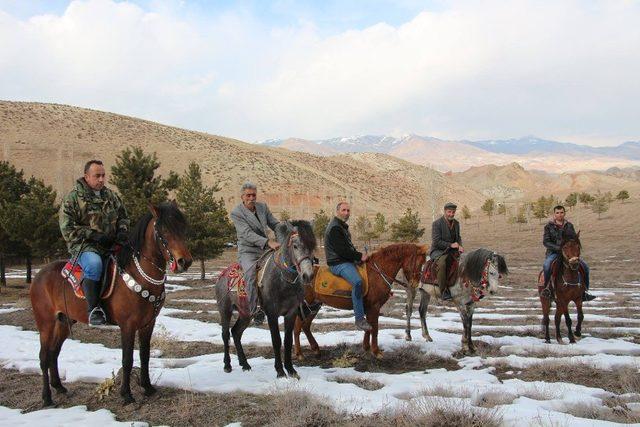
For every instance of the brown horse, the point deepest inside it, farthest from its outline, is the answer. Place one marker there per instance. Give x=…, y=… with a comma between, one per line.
x=567, y=282
x=382, y=268
x=133, y=304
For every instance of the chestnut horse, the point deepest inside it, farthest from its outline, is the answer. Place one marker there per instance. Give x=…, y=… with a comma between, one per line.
x=157, y=239
x=567, y=283
x=382, y=268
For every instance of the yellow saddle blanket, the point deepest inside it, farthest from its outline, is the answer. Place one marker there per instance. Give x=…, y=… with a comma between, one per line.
x=326, y=283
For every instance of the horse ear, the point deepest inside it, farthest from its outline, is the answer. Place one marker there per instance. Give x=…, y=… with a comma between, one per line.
x=154, y=210
x=578, y=235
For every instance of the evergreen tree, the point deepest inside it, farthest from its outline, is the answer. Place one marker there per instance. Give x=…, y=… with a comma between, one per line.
x=622, y=195
x=364, y=229
x=12, y=187
x=585, y=198
x=33, y=222
x=320, y=222
x=285, y=215
x=541, y=208
x=600, y=204
x=488, y=206
x=379, y=225
x=209, y=227
x=134, y=174
x=407, y=228
x=571, y=200
x=466, y=213
x=502, y=209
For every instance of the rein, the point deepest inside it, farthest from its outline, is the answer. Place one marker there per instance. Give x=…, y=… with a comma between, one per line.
x=283, y=264
x=390, y=281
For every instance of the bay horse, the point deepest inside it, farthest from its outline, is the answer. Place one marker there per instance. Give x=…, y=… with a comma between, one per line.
x=567, y=285
x=136, y=299
x=382, y=267
x=479, y=274
x=284, y=274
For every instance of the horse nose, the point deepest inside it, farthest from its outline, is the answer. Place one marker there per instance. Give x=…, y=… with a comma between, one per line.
x=307, y=277
x=184, y=264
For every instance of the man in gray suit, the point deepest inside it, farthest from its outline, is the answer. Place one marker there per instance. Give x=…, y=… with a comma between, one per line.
x=445, y=241
x=251, y=220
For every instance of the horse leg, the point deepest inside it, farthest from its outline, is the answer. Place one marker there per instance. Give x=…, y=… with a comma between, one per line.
x=558, y=318
x=60, y=334
x=408, y=309
x=306, y=327
x=224, y=323
x=422, y=309
x=567, y=320
x=46, y=337
x=276, y=342
x=128, y=336
x=144, y=336
x=236, y=332
x=465, y=316
x=289, y=322
x=578, y=332
x=372, y=318
x=297, y=328
x=546, y=307
x=470, y=309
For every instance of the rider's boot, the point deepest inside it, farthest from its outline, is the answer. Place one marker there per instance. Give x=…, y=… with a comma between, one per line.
x=362, y=324
x=586, y=296
x=258, y=316
x=91, y=290
x=446, y=294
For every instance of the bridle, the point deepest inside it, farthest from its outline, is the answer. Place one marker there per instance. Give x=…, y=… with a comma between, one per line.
x=479, y=289
x=282, y=261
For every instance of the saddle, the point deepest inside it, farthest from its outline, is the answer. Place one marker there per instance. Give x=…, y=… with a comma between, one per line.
x=74, y=276
x=237, y=284
x=430, y=271
x=326, y=283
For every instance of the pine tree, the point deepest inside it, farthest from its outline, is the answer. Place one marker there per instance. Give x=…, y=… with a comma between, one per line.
x=488, y=206
x=622, y=195
x=502, y=209
x=585, y=198
x=12, y=187
x=571, y=200
x=466, y=213
x=379, y=225
x=33, y=222
x=134, y=174
x=209, y=227
x=541, y=208
x=320, y=222
x=364, y=229
x=407, y=228
x=600, y=204
x=285, y=215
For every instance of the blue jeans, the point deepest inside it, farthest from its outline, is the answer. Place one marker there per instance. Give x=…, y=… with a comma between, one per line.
x=547, y=269
x=349, y=272
x=91, y=264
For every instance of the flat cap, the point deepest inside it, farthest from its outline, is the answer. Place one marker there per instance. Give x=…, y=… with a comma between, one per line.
x=450, y=205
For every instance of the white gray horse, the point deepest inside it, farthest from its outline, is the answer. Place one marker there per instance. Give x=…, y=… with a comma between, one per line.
x=282, y=278
x=479, y=274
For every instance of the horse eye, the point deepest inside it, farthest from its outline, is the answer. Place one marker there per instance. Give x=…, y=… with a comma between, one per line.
x=295, y=246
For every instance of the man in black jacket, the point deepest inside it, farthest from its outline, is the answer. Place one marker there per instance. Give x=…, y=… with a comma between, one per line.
x=341, y=257
x=555, y=231
x=445, y=241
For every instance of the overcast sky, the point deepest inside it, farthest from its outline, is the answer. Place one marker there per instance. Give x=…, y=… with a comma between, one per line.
x=252, y=70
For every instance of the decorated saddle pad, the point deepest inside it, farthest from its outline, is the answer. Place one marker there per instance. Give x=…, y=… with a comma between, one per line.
x=326, y=283
x=237, y=284
x=74, y=276
x=430, y=271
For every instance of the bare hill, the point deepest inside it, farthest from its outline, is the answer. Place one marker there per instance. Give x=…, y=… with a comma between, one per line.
x=54, y=141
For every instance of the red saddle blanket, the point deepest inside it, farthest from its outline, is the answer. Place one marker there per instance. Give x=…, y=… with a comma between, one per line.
x=74, y=276
x=237, y=284
x=430, y=272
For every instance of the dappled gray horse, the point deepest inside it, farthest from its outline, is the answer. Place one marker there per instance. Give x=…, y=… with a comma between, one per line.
x=281, y=279
x=479, y=273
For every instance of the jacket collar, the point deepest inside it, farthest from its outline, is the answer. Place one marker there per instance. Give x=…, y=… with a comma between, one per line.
x=341, y=223
x=83, y=188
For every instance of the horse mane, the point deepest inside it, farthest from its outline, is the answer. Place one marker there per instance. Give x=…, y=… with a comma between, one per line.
x=393, y=250
x=170, y=219
x=472, y=264
x=305, y=230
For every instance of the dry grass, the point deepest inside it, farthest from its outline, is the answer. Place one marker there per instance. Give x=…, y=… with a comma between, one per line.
x=491, y=399
x=617, y=414
x=364, y=383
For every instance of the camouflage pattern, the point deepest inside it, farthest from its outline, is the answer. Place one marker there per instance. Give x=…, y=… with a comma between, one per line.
x=83, y=212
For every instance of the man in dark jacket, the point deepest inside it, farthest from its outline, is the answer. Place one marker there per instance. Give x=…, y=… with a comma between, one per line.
x=445, y=241
x=555, y=231
x=92, y=219
x=341, y=257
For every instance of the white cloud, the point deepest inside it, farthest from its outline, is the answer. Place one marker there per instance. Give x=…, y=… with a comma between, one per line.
x=561, y=69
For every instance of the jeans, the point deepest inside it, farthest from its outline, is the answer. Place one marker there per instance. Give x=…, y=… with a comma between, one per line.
x=349, y=272
x=91, y=264
x=547, y=269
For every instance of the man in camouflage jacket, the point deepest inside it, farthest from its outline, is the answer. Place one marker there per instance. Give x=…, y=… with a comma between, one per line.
x=92, y=219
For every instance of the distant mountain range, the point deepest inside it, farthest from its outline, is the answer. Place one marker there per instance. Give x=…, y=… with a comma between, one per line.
x=530, y=152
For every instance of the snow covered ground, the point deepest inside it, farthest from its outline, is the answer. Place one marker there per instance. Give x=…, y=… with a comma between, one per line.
x=520, y=402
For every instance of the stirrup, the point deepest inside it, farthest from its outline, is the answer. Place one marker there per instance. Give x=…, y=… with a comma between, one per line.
x=258, y=316
x=97, y=317
x=446, y=295
x=546, y=293
x=586, y=296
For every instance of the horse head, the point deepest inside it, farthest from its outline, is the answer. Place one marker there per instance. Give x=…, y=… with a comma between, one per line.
x=496, y=268
x=571, y=251
x=298, y=243
x=169, y=233
x=483, y=269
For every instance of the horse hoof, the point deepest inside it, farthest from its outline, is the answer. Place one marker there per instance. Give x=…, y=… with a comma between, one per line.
x=428, y=338
x=300, y=356
x=61, y=389
x=246, y=367
x=547, y=341
x=128, y=399
x=294, y=374
x=407, y=337
x=227, y=369
x=572, y=341
x=560, y=341
x=47, y=403
x=281, y=374
x=578, y=334
x=150, y=391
